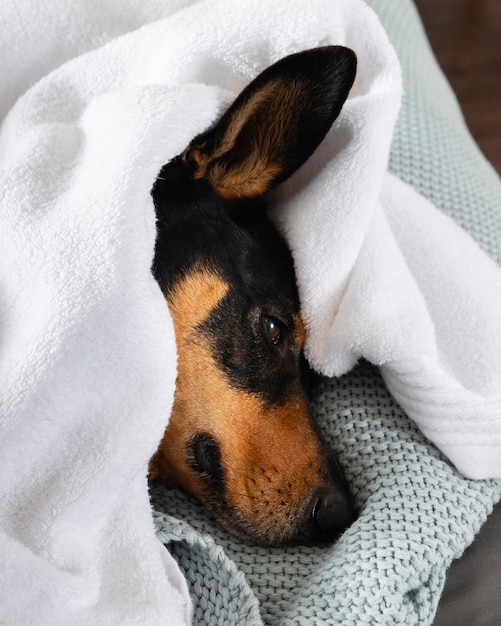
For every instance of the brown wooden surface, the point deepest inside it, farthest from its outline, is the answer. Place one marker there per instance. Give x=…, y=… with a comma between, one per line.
x=466, y=38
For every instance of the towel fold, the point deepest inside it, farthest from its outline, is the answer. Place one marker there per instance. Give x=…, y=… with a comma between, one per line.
x=422, y=301
x=385, y=276
x=95, y=100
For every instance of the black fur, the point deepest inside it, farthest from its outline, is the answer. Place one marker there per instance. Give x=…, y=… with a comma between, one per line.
x=251, y=331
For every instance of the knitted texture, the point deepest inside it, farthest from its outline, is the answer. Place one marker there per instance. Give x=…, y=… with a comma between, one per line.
x=417, y=512
x=418, y=515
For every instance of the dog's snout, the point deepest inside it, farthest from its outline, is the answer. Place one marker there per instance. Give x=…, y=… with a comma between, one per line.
x=332, y=511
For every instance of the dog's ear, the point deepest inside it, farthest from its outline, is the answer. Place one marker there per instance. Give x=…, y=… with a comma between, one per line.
x=275, y=124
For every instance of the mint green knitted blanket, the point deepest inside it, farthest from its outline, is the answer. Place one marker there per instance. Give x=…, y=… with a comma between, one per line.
x=418, y=513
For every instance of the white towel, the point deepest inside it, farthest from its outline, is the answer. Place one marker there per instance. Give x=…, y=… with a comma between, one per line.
x=385, y=276
x=96, y=96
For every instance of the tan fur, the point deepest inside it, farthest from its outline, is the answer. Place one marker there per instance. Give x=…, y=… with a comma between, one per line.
x=192, y=300
x=269, y=454
x=300, y=330
x=253, y=175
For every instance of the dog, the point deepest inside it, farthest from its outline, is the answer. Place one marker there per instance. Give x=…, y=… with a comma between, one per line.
x=241, y=437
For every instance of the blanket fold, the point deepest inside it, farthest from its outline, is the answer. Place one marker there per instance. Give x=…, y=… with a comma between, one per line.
x=96, y=99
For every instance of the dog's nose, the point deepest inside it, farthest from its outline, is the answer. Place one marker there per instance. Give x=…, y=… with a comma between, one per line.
x=332, y=511
x=332, y=508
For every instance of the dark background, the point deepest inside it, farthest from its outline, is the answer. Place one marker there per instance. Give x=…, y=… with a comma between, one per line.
x=466, y=38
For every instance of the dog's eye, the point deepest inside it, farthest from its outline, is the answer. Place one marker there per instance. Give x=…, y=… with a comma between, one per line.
x=274, y=330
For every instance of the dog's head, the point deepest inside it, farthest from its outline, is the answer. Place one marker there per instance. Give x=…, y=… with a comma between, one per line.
x=241, y=437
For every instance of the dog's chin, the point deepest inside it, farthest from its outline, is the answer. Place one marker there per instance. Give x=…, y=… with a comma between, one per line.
x=258, y=531
x=288, y=528
x=279, y=533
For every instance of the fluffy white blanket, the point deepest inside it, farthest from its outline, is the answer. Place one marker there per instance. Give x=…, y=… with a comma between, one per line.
x=96, y=97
